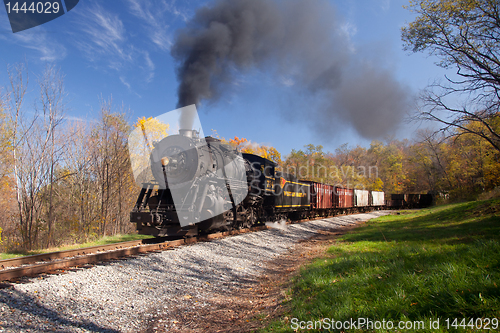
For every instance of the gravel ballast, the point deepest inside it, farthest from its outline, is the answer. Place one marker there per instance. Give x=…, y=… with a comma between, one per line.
x=126, y=295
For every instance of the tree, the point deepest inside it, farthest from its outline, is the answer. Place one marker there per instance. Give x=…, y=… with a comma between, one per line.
x=6, y=174
x=464, y=34
x=34, y=148
x=110, y=163
x=387, y=164
x=146, y=133
x=51, y=106
x=82, y=185
x=5, y=143
x=248, y=147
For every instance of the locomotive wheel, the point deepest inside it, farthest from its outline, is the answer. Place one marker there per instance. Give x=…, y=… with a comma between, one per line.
x=252, y=216
x=229, y=219
x=242, y=217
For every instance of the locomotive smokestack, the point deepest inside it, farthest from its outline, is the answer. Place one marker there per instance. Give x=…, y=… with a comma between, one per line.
x=186, y=132
x=300, y=43
x=187, y=116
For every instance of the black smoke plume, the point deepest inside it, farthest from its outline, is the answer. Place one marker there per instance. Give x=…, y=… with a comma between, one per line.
x=300, y=40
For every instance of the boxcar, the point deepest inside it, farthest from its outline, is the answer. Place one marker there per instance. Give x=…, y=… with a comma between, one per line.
x=321, y=197
x=361, y=198
x=344, y=197
x=324, y=196
x=426, y=200
x=377, y=198
x=411, y=200
x=396, y=201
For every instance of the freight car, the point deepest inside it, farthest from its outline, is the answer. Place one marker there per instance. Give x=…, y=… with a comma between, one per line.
x=410, y=200
x=204, y=185
x=377, y=199
x=329, y=200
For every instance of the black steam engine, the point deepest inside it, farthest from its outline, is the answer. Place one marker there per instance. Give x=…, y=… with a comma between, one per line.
x=202, y=184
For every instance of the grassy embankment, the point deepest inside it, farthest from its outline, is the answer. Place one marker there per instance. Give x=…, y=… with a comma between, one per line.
x=430, y=264
x=100, y=241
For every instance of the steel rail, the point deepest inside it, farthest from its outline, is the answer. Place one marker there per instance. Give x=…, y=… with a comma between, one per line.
x=50, y=262
x=27, y=260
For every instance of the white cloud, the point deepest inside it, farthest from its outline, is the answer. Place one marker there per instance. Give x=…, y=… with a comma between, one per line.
x=288, y=82
x=385, y=5
x=104, y=40
x=154, y=14
x=104, y=35
x=125, y=83
x=80, y=119
x=36, y=39
x=150, y=67
x=49, y=50
x=349, y=30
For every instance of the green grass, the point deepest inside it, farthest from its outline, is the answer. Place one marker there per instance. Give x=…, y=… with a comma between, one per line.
x=100, y=241
x=423, y=265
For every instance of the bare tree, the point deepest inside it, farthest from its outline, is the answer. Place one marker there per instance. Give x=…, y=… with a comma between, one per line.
x=51, y=106
x=81, y=183
x=112, y=169
x=34, y=146
x=465, y=35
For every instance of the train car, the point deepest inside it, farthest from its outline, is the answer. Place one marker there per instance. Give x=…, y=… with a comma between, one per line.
x=290, y=195
x=377, y=199
x=361, y=198
x=283, y=195
x=343, y=199
x=410, y=200
x=426, y=200
x=396, y=201
x=322, y=198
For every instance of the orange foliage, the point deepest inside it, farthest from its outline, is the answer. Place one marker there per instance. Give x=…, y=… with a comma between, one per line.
x=248, y=147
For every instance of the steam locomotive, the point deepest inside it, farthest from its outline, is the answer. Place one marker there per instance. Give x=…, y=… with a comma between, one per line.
x=204, y=185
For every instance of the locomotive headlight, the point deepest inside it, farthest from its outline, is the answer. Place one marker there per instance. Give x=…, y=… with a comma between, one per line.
x=169, y=161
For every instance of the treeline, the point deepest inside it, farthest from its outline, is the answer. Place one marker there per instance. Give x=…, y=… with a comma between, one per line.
x=458, y=167
x=61, y=180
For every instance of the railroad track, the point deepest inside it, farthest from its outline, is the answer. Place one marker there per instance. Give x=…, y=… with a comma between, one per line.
x=15, y=268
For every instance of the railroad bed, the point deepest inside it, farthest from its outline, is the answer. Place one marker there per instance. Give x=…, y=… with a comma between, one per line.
x=126, y=295
x=14, y=268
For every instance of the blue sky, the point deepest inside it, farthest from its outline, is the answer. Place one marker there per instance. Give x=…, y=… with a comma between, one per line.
x=121, y=48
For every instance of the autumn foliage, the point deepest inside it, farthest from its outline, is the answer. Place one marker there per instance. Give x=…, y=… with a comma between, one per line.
x=455, y=168
x=248, y=147
x=65, y=181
